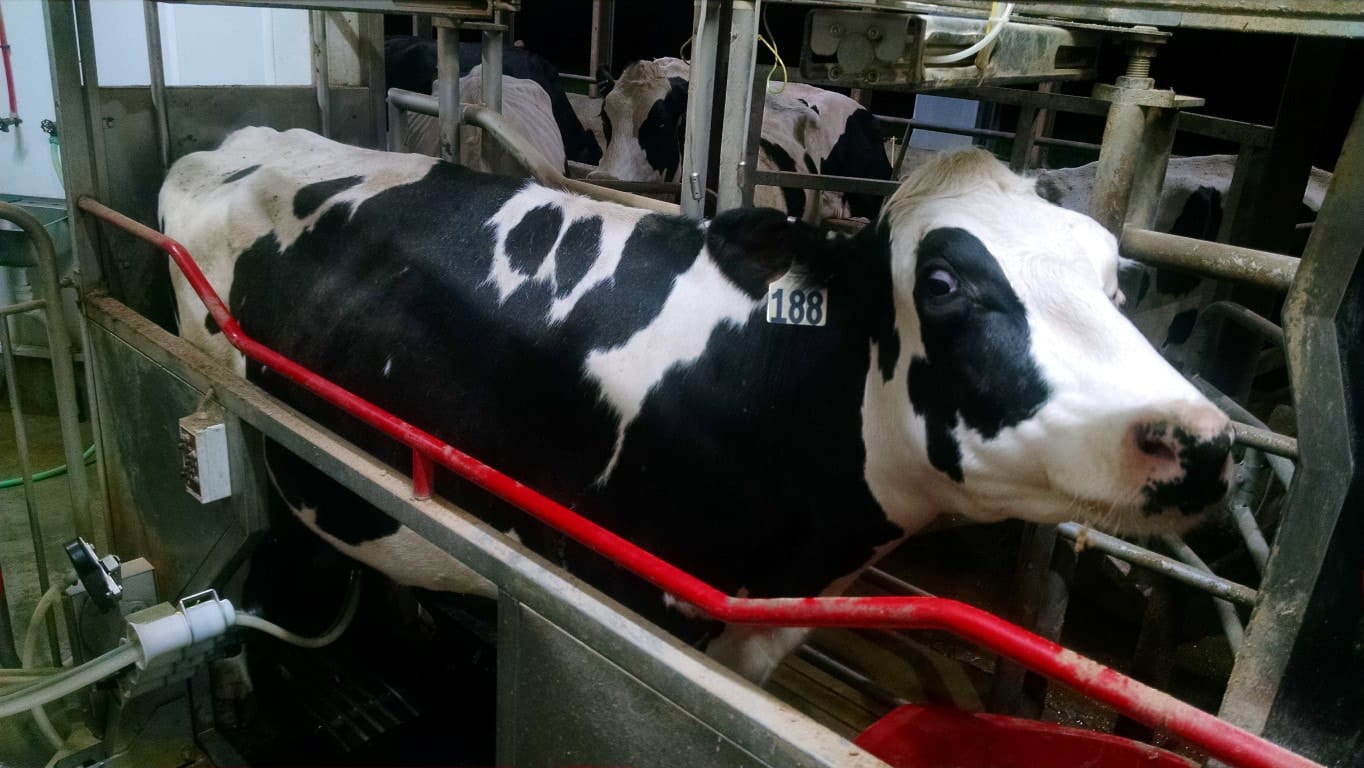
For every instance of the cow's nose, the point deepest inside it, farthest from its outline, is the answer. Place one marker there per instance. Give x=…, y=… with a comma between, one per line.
x=1185, y=456
x=600, y=175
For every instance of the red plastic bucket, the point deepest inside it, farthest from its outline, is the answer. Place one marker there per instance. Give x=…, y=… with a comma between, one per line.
x=914, y=736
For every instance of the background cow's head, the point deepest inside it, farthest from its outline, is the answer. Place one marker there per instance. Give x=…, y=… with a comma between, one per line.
x=1029, y=393
x=642, y=120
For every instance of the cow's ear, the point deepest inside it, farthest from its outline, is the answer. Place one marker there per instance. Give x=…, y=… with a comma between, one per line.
x=755, y=246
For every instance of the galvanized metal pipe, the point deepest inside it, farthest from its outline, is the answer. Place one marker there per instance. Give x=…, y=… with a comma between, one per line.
x=853, y=678
x=1126, y=551
x=1231, y=262
x=1283, y=468
x=1251, y=321
x=48, y=287
x=1252, y=466
x=1118, y=157
x=35, y=525
x=447, y=92
x=1226, y=612
x=492, y=90
x=317, y=22
x=743, y=52
x=151, y=18
x=1158, y=138
x=696, y=148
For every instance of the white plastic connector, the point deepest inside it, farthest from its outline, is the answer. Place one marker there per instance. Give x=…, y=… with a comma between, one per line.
x=160, y=630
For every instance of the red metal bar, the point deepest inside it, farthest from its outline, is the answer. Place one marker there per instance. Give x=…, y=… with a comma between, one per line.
x=421, y=475
x=9, y=70
x=1133, y=699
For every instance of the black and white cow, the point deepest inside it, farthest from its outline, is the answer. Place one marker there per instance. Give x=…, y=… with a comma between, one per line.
x=410, y=64
x=969, y=359
x=524, y=105
x=805, y=129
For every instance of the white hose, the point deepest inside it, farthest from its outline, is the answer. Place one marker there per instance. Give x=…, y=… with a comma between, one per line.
x=966, y=53
x=321, y=641
x=72, y=680
x=49, y=598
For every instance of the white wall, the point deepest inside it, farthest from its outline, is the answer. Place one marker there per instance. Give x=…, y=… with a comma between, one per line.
x=25, y=158
x=201, y=45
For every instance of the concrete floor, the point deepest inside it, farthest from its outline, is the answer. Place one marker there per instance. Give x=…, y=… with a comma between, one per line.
x=20, y=744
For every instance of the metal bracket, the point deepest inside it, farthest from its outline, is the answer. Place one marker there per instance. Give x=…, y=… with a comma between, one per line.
x=1125, y=93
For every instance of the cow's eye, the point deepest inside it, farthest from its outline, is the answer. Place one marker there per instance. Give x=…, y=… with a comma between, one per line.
x=940, y=282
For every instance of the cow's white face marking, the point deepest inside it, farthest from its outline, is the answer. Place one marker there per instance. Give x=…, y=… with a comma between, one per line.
x=1074, y=456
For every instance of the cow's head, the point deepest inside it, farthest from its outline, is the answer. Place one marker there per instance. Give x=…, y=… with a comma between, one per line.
x=1016, y=378
x=642, y=120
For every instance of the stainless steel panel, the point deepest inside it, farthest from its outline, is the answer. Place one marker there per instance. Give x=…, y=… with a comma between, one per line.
x=150, y=512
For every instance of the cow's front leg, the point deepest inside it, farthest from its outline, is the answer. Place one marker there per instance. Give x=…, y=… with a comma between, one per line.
x=755, y=651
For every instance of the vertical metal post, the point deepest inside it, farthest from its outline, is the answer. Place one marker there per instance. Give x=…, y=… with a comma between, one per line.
x=397, y=129
x=35, y=525
x=317, y=22
x=743, y=51
x=757, y=105
x=1117, y=159
x=9, y=656
x=151, y=16
x=1158, y=137
x=371, y=50
x=1303, y=644
x=492, y=92
x=603, y=33
x=447, y=88
x=76, y=110
x=1042, y=595
x=696, y=151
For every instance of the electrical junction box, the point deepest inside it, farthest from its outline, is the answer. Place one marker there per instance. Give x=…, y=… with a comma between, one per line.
x=203, y=456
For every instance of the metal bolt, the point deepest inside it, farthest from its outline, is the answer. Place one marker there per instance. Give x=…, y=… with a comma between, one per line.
x=835, y=72
x=873, y=33
x=871, y=76
x=835, y=30
x=1138, y=66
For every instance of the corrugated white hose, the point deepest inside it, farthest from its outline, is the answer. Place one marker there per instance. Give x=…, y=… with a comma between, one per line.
x=966, y=53
x=35, y=625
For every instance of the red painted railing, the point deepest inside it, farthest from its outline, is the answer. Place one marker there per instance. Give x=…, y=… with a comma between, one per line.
x=1130, y=697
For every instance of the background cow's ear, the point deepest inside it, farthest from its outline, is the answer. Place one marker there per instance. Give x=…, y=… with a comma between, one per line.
x=755, y=246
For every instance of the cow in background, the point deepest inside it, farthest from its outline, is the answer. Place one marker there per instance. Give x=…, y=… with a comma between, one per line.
x=525, y=106
x=410, y=64
x=805, y=130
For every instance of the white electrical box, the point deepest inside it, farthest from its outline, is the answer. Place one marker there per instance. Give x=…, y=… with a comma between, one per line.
x=203, y=456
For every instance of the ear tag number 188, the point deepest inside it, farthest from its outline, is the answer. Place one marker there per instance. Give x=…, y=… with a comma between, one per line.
x=790, y=301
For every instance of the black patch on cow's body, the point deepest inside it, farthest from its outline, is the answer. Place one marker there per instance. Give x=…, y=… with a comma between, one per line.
x=579, y=249
x=605, y=125
x=660, y=135
x=795, y=198
x=528, y=242
x=211, y=325
x=311, y=197
x=1200, y=484
x=810, y=166
x=1181, y=327
x=977, y=366
x=859, y=152
x=243, y=173
x=813, y=107
x=745, y=466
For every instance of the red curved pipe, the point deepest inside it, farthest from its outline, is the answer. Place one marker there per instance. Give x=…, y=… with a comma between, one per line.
x=1133, y=699
x=9, y=69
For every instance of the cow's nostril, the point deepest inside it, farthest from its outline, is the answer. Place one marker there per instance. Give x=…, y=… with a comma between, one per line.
x=1156, y=448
